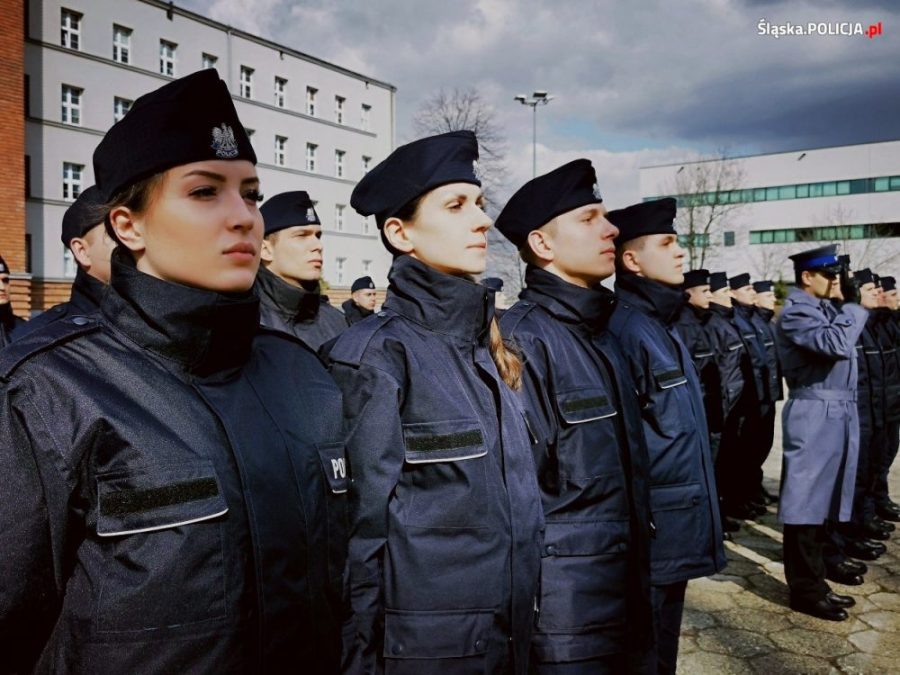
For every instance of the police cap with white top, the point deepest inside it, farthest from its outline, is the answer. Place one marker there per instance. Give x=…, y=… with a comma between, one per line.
x=288, y=209
x=645, y=218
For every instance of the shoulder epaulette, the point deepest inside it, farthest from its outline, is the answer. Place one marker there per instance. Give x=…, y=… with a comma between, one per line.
x=513, y=316
x=351, y=344
x=55, y=333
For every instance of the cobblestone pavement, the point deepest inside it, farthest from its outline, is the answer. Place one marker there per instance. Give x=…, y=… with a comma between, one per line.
x=739, y=622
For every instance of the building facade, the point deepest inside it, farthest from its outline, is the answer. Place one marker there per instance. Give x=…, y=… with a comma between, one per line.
x=778, y=204
x=315, y=126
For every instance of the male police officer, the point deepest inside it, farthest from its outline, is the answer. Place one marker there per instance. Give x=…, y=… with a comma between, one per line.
x=688, y=541
x=590, y=457
x=885, y=507
x=84, y=234
x=288, y=281
x=10, y=324
x=764, y=315
x=362, y=300
x=820, y=424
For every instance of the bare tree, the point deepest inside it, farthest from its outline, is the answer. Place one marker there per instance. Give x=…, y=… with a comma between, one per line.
x=865, y=251
x=707, y=202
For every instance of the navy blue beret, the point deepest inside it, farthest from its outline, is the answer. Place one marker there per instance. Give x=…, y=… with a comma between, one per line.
x=644, y=218
x=86, y=213
x=413, y=169
x=361, y=284
x=876, y=279
x=888, y=283
x=739, y=281
x=822, y=257
x=763, y=286
x=543, y=198
x=189, y=120
x=864, y=276
x=717, y=281
x=288, y=209
x=695, y=278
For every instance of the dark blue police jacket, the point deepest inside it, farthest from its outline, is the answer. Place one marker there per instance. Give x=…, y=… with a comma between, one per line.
x=166, y=466
x=692, y=326
x=731, y=356
x=592, y=470
x=763, y=318
x=871, y=384
x=445, y=513
x=754, y=336
x=888, y=337
x=85, y=300
x=688, y=542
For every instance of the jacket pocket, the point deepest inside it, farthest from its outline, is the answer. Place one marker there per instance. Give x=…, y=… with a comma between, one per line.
x=444, y=441
x=454, y=634
x=586, y=404
x=163, y=559
x=587, y=442
x=683, y=521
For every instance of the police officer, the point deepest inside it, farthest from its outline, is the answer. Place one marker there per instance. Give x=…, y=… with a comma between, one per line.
x=817, y=342
x=683, y=499
x=165, y=464
x=594, y=608
x=361, y=302
x=764, y=319
x=445, y=513
x=10, y=324
x=84, y=234
x=885, y=507
x=288, y=280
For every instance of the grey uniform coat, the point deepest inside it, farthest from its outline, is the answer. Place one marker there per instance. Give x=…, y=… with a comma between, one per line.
x=820, y=422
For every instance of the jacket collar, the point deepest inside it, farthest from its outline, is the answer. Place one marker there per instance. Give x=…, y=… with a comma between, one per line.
x=766, y=314
x=86, y=291
x=293, y=303
x=651, y=297
x=743, y=310
x=567, y=302
x=702, y=315
x=440, y=302
x=721, y=310
x=203, y=331
x=351, y=308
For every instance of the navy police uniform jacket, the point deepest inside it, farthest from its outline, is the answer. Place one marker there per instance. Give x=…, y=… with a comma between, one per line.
x=763, y=319
x=688, y=542
x=871, y=383
x=731, y=356
x=353, y=312
x=162, y=508
x=11, y=326
x=85, y=299
x=692, y=326
x=445, y=514
x=591, y=465
x=297, y=311
x=886, y=334
x=754, y=336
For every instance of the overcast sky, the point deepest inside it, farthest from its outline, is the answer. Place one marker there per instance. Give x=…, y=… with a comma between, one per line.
x=637, y=83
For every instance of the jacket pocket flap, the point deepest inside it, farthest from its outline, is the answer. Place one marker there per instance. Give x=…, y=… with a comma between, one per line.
x=666, y=378
x=585, y=538
x=334, y=463
x=156, y=498
x=446, y=441
x=671, y=497
x=584, y=405
x=437, y=635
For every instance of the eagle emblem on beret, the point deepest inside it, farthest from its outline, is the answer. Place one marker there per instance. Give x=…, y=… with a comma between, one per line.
x=311, y=214
x=477, y=170
x=223, y=142
x=596, y=189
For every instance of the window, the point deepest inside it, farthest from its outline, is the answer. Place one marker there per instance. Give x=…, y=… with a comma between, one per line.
x=311, y=157
x=829, y=189
x=366, y=161
x=70, y=29
x=167, y=57
x=120, y=107
x=895, y=182
x=802, y=191
x=787, y=192
x=729, y=238
x=280, y=150
x=339, y=163
x=365, y=116
x=121, y=44
x=339, y=217
x=72, y=174
x=759, y=194
x=71, y=105
x=367, y=266
x=280, y=88
x=339, y=109
x=246, y=84
x=27, y=176
x=311, y=101
x=69, y=265
x=367, y=225
x=209, y=61
x=339, y=266
x=843, y=187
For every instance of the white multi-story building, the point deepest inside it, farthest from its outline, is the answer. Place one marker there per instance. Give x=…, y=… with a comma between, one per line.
x=790, y=201
x=315, y=126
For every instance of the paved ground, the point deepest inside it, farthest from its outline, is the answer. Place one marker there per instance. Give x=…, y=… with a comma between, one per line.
x=739, y=621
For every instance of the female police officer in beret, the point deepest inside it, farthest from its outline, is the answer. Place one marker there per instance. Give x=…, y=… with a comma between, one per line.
x=162, y=508
x=445, y=513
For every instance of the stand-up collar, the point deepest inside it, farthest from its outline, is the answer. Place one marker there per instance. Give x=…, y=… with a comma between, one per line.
x=766, y=313
x=293, y=303
x=701, y=314
x=440, y=302
x=204, y=331
x=86, y=292
x=652, y=297
x=722, y=310
x=567, y=302
x=742, y=309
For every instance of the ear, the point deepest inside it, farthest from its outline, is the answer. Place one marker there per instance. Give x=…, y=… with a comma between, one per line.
x=631, y=261
x=81, y=252
x=541, y=244
x=129, y=229
x=395, y=232
x=267, y=252
x=806, y=277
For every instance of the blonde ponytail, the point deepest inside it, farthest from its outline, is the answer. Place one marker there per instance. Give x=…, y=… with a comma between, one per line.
x=509, y=365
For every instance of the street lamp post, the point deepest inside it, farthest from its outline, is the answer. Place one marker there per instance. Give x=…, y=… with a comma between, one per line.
x=537, y=98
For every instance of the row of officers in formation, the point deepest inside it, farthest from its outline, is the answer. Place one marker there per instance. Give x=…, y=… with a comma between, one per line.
x=206, y=470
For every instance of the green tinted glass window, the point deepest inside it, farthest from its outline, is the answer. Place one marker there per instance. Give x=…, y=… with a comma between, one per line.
x=829, y=189
x=767, y=237
x=895, y=182
x=779, y=236
x=857, y=231
x=803, y=191
x=787, y=192
x=759, y=194
x=755, y=238
x=815, y=189
x=771, y=193
x=843, y=187
x=882, y=184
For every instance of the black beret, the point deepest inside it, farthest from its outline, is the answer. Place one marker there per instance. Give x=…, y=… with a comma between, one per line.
x=717, y=281
x=888, y=283
x=822, y=257
x=361, y=284
x=695, y=278
x=4, y=268
x=864, y=276
x=639, y=220
x=543, y=198
x=413, y=169
x=763, y=286
x=876, y=279
x=189, y=120
x=492, y=283
x=86, y=213
x=739, y=281
x=288, y=209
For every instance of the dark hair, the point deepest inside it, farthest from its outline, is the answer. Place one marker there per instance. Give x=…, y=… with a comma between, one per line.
x=406, y=212
x=135, y=197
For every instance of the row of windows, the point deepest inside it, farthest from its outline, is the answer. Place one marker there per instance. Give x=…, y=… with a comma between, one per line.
x=829, y=233
x=70, y=37
x=72, y=98
x=701, y=240
x=831, y=188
